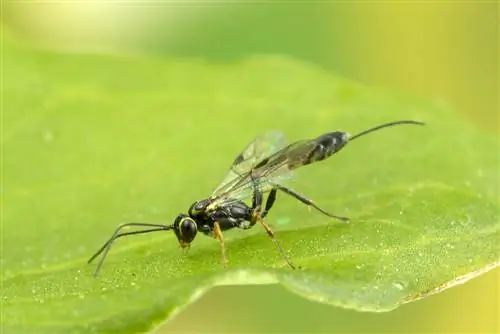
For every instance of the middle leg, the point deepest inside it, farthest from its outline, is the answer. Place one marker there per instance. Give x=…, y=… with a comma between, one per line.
x=270, y=233
x=258, y=215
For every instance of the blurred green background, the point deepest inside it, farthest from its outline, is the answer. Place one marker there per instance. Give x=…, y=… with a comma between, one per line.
x=437, y=50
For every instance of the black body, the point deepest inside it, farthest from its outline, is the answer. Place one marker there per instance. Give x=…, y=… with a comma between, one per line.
x=254, y=173
x=228, y=216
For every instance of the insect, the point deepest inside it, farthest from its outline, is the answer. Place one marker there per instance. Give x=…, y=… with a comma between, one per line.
x=261, y=168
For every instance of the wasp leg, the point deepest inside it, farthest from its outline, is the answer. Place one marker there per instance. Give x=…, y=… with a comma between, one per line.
x=270, y=233
x=257, y=199
x=307, y=201
x=271, y=198
x=217, y=233
x=258, y=216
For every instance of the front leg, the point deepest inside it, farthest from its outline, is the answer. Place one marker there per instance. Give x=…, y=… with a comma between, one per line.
x=217, y=234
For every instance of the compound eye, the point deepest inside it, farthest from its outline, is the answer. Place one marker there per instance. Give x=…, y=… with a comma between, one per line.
x=188, y=229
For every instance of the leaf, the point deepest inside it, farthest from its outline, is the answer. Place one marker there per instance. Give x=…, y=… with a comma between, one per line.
x=91, y=141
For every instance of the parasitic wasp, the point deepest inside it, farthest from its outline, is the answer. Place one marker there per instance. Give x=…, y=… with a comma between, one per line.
x=260, y=169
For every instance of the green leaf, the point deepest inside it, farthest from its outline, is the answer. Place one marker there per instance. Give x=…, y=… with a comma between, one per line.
x=90, y=142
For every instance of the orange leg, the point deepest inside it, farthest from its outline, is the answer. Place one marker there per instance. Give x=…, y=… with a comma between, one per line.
x=270, y=233
x=218, y=235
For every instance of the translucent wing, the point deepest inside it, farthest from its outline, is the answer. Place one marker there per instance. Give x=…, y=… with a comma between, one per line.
x=274, y=168
x=257, y=150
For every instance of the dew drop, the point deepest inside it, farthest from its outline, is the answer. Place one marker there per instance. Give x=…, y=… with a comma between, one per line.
x=133, y=283
x=104, y=288
x=399, y=285
x=48, y=136
x=284, y=220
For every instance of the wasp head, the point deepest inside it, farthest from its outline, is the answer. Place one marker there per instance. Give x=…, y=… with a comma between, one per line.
x=185, y=229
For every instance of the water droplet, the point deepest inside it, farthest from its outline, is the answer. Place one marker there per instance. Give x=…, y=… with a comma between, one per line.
x=450, y=246
x=359, y=266
x=399, y=285
x=81, y=295
x=133, y=283
x=283, y=221
x=104, y=288
x=48, y=136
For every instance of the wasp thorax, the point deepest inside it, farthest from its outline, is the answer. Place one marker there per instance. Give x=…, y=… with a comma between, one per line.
x=198, y=207
x=185, y=229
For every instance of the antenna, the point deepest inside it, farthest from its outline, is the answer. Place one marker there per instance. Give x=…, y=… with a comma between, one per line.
x=107, y=245
x=386, y=125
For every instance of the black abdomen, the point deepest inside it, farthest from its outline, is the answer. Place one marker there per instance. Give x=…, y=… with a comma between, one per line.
x=327, y=145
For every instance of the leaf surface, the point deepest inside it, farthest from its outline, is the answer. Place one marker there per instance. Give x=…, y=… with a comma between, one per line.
x=90, y=142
